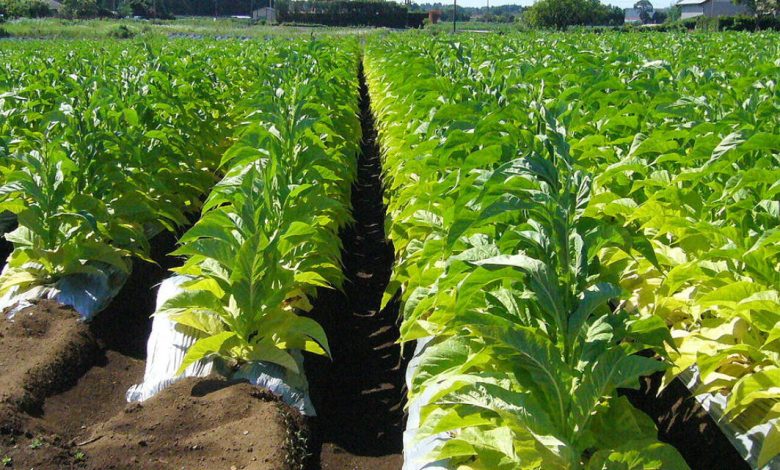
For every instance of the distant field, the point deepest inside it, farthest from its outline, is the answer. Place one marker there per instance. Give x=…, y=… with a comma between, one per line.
x=96, y=29
x=477, y=26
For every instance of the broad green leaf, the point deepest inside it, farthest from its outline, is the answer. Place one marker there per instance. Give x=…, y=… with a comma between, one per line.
x=205, y=348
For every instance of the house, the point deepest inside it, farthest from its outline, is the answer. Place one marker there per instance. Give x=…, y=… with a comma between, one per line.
x=632, y=15
x=693, y=8
x=266, y=13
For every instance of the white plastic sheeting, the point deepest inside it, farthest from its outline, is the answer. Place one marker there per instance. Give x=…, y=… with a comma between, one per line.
x=747, y=441
x=87, y=293
x=168, y=344
x=415, y=452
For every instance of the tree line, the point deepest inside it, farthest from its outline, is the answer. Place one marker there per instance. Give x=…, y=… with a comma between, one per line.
x=329, y=12
x=559, y=14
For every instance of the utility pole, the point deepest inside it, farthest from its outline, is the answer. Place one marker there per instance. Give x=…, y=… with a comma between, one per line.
x=454, y=14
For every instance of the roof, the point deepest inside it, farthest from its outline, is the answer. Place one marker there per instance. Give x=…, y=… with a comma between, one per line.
x=691, y=2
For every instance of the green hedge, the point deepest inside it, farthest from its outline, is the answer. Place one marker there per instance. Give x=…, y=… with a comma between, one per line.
x=732, y=23
x=662, y=28
x=349, y=13
x=699, y=23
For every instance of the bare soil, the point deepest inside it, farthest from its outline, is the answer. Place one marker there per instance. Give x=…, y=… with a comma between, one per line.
x=43, y=350
x=98, y=395
x=62, y=397
x=73, y=375
x=359, y=395
x=195, y=423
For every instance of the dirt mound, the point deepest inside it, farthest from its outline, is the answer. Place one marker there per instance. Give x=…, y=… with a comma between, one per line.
x=98, y=396
x=197, y=423
x=333, y=457
x=62, y=397
x=43, y=350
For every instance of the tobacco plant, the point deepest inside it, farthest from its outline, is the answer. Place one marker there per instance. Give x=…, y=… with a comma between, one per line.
x=268, y=236
x=679, y=135
x=500, y=272
x=104, y=148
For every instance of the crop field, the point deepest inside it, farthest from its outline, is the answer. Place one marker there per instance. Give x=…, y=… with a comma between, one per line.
x=391, y=250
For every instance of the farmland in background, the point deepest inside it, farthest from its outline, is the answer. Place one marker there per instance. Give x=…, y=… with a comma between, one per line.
x=126, y=28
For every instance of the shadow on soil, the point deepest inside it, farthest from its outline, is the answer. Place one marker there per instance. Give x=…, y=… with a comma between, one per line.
x=683, y=423
x=125, y=325
x=359, y=394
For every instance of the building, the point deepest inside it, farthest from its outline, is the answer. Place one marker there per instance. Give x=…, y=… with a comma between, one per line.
x=694, y=8
x=632, y=15
x=265, y=13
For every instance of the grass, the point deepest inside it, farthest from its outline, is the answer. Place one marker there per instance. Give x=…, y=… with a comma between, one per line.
x=55, y=28
x=36, y=443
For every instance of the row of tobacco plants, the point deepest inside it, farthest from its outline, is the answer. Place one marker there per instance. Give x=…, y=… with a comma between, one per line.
x=268, y=238
x=104, y=145
x=559, y=204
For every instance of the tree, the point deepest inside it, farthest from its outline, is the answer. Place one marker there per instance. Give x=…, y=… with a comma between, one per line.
x=675, y=12
x=348, y=13
x=560, y=14
x=761, y=7
x=148, y=8
x=645, y=9
x=80, y=8
x=612, y=16
x=24, y=8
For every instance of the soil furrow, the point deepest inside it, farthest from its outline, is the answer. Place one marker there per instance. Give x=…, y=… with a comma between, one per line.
x=359, y=394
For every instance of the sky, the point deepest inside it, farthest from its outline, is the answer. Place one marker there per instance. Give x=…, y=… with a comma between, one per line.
x=481, y=3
